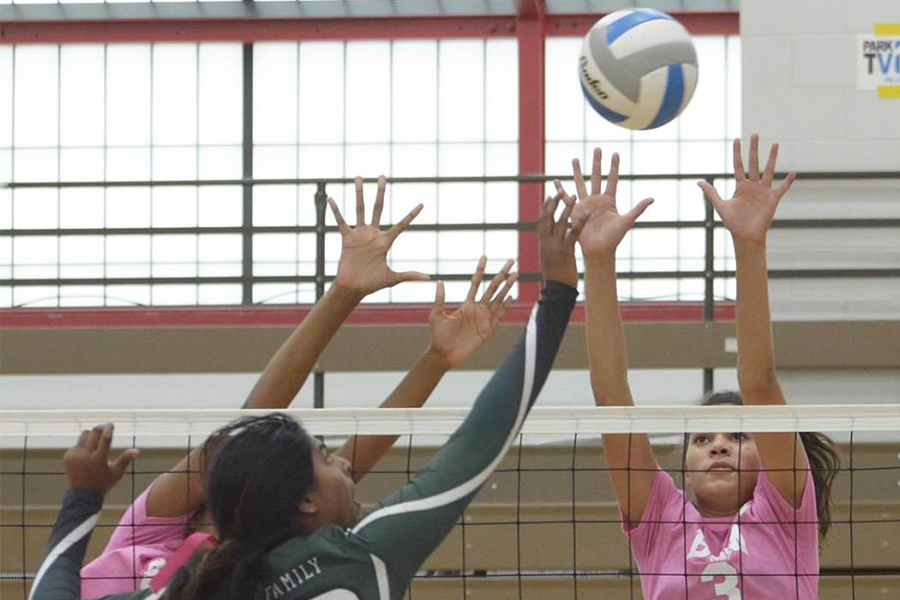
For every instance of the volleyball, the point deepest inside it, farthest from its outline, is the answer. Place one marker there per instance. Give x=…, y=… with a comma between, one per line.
x=638, y=68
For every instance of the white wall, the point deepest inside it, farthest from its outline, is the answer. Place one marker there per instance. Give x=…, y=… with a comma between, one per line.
x=345, y=390
x=799, y=84
x=799, y=89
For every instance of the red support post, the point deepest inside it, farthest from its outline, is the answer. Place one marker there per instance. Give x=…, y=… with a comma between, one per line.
x=530, y=36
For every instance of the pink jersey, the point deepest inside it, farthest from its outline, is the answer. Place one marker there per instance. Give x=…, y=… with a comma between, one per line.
x=136, y=551
x=768, y=550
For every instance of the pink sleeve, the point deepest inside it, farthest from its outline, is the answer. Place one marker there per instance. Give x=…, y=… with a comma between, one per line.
x=665, y=504
x=136, y=528
x=771, y=506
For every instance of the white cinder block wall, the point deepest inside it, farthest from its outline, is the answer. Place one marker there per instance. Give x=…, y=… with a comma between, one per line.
x=799, y=89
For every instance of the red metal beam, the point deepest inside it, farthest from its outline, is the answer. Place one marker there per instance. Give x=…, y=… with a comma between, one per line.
x=252, y=30
x=530, y=35
x=697, y=23
x=265, y=316
x=530, y=9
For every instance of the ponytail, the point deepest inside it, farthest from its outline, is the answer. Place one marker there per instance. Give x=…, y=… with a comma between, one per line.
x=824, y=463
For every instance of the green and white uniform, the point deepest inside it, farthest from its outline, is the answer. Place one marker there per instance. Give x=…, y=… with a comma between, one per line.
x=378, y=558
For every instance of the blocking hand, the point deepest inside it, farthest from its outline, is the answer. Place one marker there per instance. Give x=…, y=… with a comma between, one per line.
x=458, y=335
x=602, y=227
x=88, y=465
x=557, y=240
x=749, y=213
x=363, y=267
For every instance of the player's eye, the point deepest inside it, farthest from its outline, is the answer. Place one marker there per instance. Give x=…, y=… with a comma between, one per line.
x=701, y=439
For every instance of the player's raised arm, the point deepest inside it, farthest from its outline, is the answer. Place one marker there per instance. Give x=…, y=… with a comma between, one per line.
x=454, y=338
x=407, y=526
x=91, y=476
x=629, y=456
x=748, y=216
x=362, y=270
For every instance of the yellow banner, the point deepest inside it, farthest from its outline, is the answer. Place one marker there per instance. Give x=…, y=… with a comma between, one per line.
x=887, y=29
x=889, y=91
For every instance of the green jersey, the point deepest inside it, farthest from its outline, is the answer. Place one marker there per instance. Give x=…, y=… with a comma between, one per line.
x=377, y=559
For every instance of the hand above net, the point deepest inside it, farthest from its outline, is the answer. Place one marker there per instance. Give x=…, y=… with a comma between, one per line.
x=363, y=267
x=88, y=465
x=749, y=213
x=457, y=336
x=557, y=240
x=602, y=227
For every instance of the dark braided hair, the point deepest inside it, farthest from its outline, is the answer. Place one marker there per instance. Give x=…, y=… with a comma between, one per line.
x=259, y=469
x=821, y=452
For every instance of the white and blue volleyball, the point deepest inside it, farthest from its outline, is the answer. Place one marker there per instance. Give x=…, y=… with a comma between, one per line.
x=638, y=68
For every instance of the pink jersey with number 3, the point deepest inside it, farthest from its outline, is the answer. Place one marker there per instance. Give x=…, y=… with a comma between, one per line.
x=768, y=550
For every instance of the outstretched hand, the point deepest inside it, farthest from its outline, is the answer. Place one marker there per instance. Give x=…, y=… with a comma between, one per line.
x=557, y=240
x=749, y=213
x=458, y=335
x=602, y=227
x=88, y=464
x=363, y=267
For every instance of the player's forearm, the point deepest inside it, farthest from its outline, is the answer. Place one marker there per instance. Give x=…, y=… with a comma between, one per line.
x=514, y=387
x=411, y=522
x=756, y=351
x=418, y=384
x=607, y=352
x=59, y=576
x=288, y=369
x=364, y=451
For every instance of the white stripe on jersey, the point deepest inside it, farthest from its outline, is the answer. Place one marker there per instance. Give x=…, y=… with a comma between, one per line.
x=464, y=489
x=381, y=574
x=64, y=544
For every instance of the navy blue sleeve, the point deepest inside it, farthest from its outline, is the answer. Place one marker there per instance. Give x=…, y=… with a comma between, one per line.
x=59, y=576
x=407, y=526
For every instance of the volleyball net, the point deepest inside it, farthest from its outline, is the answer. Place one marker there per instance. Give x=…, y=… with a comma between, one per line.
x=545, y=525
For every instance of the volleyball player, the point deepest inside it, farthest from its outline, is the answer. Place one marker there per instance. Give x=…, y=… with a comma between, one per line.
x=163, y=516
x=288, y=522
x=754, y=526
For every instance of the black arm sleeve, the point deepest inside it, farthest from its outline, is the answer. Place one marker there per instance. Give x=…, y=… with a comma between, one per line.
x=407, y=526
x=59, y=576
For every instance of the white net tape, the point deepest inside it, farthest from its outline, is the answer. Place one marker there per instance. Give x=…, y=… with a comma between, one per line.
x=581, y=421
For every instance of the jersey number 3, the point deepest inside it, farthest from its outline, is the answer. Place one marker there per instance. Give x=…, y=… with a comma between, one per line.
x=728, y=586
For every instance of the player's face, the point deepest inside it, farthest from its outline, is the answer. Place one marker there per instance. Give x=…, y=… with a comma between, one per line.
x=722, y=469
x=334, y=493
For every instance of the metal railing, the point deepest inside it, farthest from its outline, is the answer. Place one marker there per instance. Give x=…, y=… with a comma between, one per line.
x=247, y=230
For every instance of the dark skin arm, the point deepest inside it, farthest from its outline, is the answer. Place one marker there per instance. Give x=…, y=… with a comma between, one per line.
x=87, y=462
x=454, y=338
x=363, y=269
